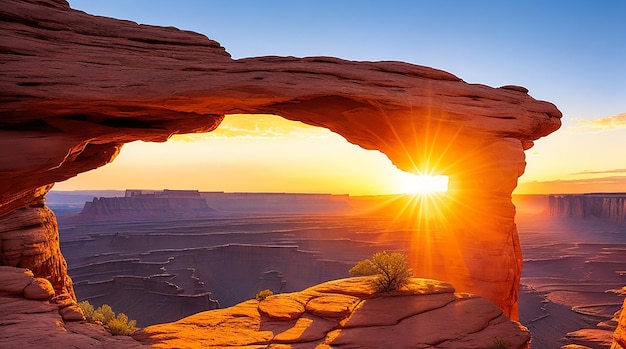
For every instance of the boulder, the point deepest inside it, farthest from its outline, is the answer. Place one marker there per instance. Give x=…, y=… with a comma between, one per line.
x=39, y=288
x=72, y=313
x=36, y=323
x=14, y=280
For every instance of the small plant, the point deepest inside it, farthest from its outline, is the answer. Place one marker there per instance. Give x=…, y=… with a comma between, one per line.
x=392, y=270
x=121, y=326
x=499, y=343
x=116, y=324
x=103, y=314
x=87, y=309
x=263, y=294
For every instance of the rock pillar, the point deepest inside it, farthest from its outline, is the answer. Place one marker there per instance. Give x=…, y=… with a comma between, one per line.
x=29, y=238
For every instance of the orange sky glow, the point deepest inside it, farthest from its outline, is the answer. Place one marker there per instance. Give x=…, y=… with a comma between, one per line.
x=266, y=153
x=253, y=153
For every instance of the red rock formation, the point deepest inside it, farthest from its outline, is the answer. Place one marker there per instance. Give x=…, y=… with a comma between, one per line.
x=74, y=88
x=611, y=206
x=347, y=313
x=29, y=320
x=338, y=313
x=29, y=238
x=619, y=337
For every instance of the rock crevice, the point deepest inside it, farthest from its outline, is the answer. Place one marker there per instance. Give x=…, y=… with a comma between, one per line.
x=416, y=316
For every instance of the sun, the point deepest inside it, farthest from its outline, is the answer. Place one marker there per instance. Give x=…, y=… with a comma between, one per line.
x=424, y=184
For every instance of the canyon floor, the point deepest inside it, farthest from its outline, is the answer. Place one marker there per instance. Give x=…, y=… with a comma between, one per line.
x=573, y=279
x=161, y=271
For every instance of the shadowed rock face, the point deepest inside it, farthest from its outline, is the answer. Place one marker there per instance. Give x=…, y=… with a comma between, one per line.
x=74, y=88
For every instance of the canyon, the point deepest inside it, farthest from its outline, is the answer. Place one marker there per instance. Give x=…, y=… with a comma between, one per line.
x=76, y=87
x=610, y=206
x=571, y=285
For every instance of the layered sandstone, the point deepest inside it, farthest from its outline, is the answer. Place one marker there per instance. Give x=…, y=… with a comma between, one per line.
x=29, y=320
x=74, y=88
x=619, y=337
x=341, y=313
x=155, y=208
x=168, y=204
x=611, y=206
x=348, y=313
x=29, y=238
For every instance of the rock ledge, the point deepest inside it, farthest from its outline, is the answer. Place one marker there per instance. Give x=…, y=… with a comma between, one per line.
x=347, y=313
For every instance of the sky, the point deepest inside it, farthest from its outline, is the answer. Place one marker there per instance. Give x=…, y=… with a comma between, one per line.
x=571, y=53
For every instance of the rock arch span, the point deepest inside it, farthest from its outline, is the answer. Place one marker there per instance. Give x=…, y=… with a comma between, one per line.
x=76, y=87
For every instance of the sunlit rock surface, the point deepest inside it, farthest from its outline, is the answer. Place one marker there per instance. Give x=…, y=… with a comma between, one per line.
x=74, y=88
x=341, y=313
x=619, y=337
x=347, y=313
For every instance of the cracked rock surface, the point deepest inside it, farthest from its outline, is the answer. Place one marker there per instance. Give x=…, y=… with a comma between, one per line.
x=347, y=313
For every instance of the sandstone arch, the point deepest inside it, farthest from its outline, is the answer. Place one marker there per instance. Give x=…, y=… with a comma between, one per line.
x=76, y=87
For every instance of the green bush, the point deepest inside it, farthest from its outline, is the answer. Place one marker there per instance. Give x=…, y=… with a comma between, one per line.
x=116, y=324
x=263, y=294
x=392, y=270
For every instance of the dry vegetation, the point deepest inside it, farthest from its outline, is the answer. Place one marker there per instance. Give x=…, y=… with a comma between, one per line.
x=118, y=325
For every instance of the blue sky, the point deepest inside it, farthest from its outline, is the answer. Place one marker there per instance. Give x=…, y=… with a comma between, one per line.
x=569, y=52
x=572, y=53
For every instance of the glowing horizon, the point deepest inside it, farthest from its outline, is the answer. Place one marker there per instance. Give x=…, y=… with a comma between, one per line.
x=266, y=153
x=251, y=153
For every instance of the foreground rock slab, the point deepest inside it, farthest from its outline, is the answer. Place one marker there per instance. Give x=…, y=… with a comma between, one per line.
x=347, y=313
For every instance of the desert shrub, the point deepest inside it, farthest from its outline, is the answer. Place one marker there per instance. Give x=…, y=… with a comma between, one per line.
x=499, y=343
x=87, y=309
x=392, y=270
x=363, y=268
x=263, y=294
x=116, y=324
x=103, y=314
x=121, y=325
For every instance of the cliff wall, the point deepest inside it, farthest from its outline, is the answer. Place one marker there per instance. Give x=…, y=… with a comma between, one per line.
x=140, y=207
x=611, y=206
x=619, y=337
x=177, y=204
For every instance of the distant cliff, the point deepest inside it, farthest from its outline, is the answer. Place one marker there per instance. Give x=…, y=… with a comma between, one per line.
x=194, y=204
x=128, y=207
x=601, y=205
